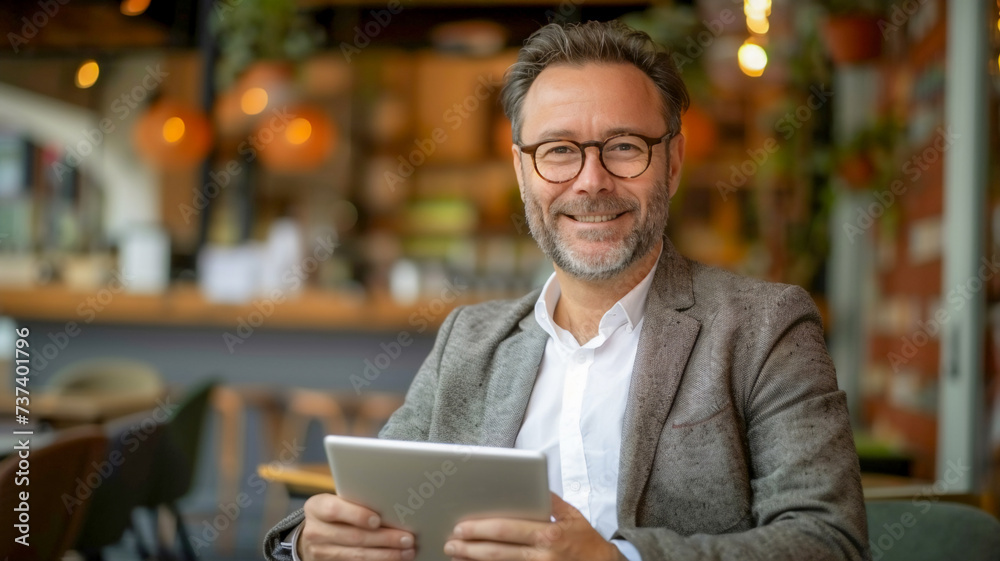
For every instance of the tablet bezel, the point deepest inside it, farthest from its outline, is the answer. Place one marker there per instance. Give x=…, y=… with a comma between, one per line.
x=426, y=488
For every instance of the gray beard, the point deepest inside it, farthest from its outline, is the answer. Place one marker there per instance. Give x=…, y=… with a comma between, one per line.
x=643, y=237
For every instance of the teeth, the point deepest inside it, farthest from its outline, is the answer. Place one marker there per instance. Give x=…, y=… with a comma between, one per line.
x=603, y=218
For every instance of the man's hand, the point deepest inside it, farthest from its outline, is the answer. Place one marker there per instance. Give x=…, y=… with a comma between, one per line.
x=569, y=538
x=337, y=529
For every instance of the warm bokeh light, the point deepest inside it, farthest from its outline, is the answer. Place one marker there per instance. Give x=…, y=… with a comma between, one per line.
x=305, y=143
x=752, y=59
x=173, y=129
x=758, y=26
x=87, y=74
x=299, y=131
x=757, y=7
x=253, y=100
x=172, y=134
x=134, y=7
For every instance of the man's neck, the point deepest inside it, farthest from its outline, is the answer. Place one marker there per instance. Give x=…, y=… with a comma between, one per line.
x=583, y=303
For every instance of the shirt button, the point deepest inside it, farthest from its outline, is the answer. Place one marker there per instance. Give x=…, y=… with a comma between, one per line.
x=580, y=359
x=574, y=486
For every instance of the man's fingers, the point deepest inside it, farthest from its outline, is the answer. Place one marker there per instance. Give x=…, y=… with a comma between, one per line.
x=330, y=552
x=522, y=532
x=324, y=533
x=561, y=509
x=331, y=508
x=460, y=549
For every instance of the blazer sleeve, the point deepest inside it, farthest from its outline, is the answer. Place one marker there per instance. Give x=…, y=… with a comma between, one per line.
x=410, y=422
x=807, y=499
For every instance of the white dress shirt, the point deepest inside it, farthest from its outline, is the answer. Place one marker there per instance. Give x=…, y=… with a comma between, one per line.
x=581, y=441
x=577, y=407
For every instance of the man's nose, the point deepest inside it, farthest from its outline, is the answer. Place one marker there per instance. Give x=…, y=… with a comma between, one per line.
x=593, y=178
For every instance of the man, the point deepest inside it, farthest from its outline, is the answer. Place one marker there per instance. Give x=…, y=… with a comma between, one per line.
x=686, y=412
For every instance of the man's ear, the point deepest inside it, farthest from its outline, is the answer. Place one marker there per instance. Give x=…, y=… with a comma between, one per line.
x=676, y=154
x=518, y=169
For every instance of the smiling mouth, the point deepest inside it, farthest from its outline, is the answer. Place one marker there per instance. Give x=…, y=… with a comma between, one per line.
x=595, y=217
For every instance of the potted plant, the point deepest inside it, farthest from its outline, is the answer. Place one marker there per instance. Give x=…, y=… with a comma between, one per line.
x=867, y=161
x=851, y=30
x=268, y=32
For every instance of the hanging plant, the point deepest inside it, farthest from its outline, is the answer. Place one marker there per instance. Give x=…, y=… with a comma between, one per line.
x=255, y=30
x=851, y=30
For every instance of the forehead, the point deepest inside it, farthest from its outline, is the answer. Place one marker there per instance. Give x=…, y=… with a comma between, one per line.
x=591, y=100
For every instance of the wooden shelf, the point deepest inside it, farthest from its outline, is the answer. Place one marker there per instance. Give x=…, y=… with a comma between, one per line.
x=184, y=305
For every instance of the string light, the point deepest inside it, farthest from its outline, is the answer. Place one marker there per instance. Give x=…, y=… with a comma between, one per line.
x=752, y=59
x=254, y=100
x=173, y=129
x=133, y=7
x=299, y=131
x=87, y=73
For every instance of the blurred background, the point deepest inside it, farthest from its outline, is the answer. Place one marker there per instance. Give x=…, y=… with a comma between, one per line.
x=228, y=228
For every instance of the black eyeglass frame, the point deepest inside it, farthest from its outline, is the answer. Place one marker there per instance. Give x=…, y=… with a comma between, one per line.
x=650, y=141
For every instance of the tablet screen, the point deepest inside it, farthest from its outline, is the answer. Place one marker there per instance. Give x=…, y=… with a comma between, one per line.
x=426, y=488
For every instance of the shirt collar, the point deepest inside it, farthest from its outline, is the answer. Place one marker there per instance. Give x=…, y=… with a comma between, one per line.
x=628, y=311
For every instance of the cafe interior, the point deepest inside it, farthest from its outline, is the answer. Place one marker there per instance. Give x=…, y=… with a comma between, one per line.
x=231, y=227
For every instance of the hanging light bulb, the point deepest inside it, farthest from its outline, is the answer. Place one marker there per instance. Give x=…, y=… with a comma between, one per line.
x=87, y=73
x=758, y=26
x=752, y=59
x=305, y=142
x=254, y=100
x=133, y=7
x=172, y=134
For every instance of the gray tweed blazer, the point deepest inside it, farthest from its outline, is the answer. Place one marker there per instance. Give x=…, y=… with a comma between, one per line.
x=736, y=443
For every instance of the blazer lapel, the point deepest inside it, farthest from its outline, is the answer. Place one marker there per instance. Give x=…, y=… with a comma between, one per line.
x=665, y=344
x=512, y=377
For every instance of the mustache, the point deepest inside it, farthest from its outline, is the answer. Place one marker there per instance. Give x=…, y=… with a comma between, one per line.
x=609, y=204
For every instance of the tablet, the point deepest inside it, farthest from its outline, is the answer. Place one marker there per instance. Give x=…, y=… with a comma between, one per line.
x=426, y=488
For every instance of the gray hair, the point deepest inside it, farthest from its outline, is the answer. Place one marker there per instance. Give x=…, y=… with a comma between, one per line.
x=596, y=42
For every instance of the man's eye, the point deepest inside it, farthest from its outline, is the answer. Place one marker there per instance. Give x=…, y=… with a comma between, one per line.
x=560, y=150
x=623, y=147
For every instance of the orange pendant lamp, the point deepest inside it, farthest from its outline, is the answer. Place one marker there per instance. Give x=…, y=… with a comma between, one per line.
x=301, y=139
x=172, y=134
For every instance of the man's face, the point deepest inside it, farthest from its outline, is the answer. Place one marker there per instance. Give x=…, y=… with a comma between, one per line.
x=596, y=225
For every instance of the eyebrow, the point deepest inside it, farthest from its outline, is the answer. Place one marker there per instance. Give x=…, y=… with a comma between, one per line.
x=553, y=134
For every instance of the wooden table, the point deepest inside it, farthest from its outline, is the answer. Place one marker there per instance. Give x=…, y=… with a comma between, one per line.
x=76, y=409
x=302, y=480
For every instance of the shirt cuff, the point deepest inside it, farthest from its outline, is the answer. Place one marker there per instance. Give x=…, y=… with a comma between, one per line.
x=294, y=540
x=626, y=549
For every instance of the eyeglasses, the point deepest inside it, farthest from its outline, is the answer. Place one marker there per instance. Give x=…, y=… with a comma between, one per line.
x=625, y=155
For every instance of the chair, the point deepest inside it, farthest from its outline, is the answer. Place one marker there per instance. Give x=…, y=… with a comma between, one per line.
x=302, y=407
x=175, y=459
x=916, y=530
x=106, y=375
x=57, y=502
x=133, y=443
x=374, y=412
